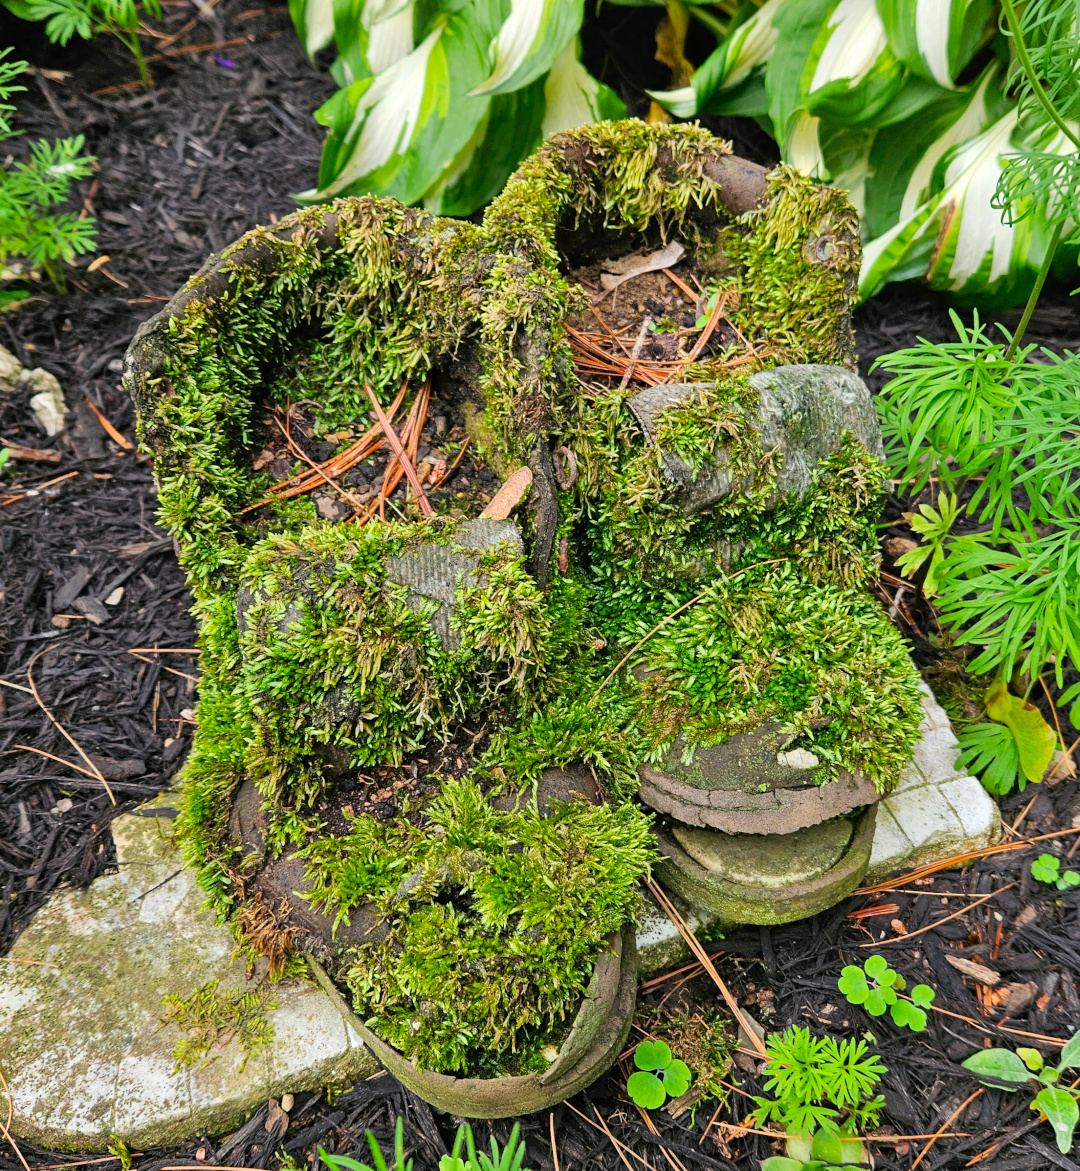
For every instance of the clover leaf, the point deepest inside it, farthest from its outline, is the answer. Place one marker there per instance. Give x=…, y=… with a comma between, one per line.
x=658, y=1076
x=876, y=986
x=646, y=1089
x=1047, y=868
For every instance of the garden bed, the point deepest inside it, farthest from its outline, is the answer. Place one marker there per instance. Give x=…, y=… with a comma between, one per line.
x=215, y=149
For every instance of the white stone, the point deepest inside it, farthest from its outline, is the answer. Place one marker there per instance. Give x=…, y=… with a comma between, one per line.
x=798, y=758
x=10, y=370
x=47, y=402
x=81, y=1043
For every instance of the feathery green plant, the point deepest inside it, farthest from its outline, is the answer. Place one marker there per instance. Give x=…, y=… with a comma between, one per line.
x=992, y=424
x=66, y=18
x=29, y=188
x=821, y=1085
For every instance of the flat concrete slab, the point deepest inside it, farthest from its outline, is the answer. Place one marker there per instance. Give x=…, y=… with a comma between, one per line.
x=81, y=1043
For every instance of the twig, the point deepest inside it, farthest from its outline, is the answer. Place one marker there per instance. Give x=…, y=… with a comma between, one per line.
x=399, y=451
x=958, y=860
x=203, y=48
x=170, y=670
x=615, y=1142
x=945, y=1125
x=710, y=325
x=59, y=760
x=108, y=428
x=677, y=280
x=15, y=686
x=695, y=946
x=674, y=1162
x=298, y=450
x=554, y=1145
x=635, y=353
x=4, y=1126
x=938, y=922
x=164, y=650
x=62, y=730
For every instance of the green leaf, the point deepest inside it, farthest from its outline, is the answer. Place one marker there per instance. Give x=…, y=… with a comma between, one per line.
x=1069, y=878
x=652, y=1055
x=877, y=1002
x=314, y=23
x=876, y=967
x=646, y=1089
x=676, y=1078
x=1002, y=1064
x=853, y=985
x=907, y=1014
x=827, y=1147
x=1048, y=1076
x=1032, y=1058
x=935, y=38
x=1045, y=868
x=922, y=995
x=989, y=751
x=1061, y=1112
x=1035, y=739
x=528, y=42
x=1069, y=1057
x=782, y=1163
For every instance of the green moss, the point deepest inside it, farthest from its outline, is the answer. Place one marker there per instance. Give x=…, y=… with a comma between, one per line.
x=317, y=664
x=821, y=660
x=495, y=921
x=211, y=1018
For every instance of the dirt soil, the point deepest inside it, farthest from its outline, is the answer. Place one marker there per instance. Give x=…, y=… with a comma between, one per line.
x=215, y=148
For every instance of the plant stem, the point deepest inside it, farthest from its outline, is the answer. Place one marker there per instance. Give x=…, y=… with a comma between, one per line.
x=55, y=272
x=1028, y=66
x=1036, y=290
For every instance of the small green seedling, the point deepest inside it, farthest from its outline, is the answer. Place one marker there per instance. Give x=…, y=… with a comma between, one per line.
x=345, y=1163
x=783, y=1163
x=875, y=986
x=1057, y=1105
x=659, y=1075
x=1046, y=868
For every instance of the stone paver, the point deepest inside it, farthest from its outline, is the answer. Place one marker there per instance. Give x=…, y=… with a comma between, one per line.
x=81, y=1044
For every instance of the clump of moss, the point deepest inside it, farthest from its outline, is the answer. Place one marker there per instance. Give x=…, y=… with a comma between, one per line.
x=822, y=660
x=212, y=1018
x=495, y=921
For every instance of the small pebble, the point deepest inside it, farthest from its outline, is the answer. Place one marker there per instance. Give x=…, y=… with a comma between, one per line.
x=115, y=597
x=287, y=1102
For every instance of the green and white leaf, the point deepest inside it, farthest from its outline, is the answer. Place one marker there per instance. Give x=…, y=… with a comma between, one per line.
x=396, y=133
x=955, y=240
x=1061, y=1112
x=529, y=40
x=314, y=23
x=727, y=73
x=936, y=38
x=573, y=97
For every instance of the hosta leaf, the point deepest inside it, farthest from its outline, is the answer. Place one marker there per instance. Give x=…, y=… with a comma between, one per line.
x=1061, y=1112
x=397, y=133
x=722, y=83
x=528, y=42
x=1035, y=739
x=1002, y=1064
x=511, y=129
x=935, y=38
x=314, y=23
x=574, y=97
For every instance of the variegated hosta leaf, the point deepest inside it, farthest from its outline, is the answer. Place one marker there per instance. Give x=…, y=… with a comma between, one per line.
x=905, y=155
x=937, y=38
x=955, y=240
x=371, y=35
x=510, y=130
x=514, y=126
x=574, y=97
x=730, y=80
x=394, y=133
x=831, y=61
x=528, y=42
x=314, y=23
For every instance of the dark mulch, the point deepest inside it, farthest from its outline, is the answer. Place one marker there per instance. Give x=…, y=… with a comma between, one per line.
x=215, y=148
